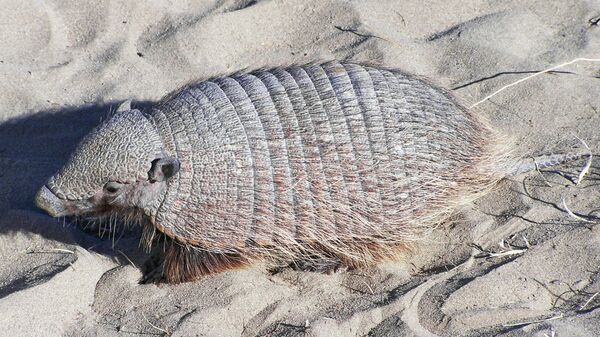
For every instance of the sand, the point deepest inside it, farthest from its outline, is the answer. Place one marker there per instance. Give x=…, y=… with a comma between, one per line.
x=514, y=263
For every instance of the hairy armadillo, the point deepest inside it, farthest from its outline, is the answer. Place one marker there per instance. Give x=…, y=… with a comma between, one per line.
x=329, y=164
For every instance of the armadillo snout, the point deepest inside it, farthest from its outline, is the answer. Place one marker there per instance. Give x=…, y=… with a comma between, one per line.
x=49, y=202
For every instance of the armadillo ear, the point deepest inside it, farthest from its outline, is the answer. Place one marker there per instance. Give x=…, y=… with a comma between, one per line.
x=163, y=169
x=125, y=106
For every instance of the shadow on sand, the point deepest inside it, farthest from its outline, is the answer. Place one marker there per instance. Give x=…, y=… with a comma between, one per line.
x=33, y=148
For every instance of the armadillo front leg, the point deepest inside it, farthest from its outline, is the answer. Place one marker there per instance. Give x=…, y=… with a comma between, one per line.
x=184, y=263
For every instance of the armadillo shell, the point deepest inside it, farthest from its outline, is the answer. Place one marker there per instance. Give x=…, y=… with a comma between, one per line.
x=332, y=155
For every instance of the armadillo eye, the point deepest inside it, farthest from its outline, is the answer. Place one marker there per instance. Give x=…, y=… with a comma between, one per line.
x=112, y=187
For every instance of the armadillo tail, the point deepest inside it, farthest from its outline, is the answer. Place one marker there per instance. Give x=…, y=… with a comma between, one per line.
x=541, y=162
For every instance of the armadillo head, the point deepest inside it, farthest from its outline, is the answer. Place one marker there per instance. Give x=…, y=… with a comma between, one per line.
x=119, y=168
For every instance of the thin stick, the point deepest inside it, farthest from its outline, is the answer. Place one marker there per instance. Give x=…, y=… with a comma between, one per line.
x=368, y=286
x=531, y=322
x=589, y=301
x=53, y=250
x=155, y=327
x=588, y=163
x=127, y=257
x=526, y=242
x=532, y=76
x=507, y=253
x=537, y=168
x=568, y=210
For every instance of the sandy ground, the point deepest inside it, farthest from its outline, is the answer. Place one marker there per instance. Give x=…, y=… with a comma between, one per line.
x=64, y=65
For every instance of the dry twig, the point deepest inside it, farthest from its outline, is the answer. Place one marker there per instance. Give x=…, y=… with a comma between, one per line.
x=579, y=59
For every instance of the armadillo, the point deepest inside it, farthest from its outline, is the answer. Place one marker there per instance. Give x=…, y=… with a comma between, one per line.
x=331, y=164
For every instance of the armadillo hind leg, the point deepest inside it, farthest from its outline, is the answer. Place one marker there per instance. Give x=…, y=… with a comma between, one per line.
x=184, y=263
x=541, y=162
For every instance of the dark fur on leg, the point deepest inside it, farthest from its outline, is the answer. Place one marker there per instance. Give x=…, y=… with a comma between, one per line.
x=187, y=263
x=319, y=258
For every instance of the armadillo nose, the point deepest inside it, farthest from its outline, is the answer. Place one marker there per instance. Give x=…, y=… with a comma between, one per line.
x=49, y=202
